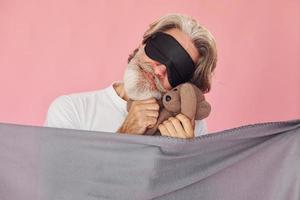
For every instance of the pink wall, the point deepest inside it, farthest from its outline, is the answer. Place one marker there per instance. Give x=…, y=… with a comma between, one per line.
x=49, y=48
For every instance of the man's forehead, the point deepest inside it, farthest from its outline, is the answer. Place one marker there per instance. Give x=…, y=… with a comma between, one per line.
x=185, y=41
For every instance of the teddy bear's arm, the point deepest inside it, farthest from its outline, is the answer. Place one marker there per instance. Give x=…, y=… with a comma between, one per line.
x=203, y=110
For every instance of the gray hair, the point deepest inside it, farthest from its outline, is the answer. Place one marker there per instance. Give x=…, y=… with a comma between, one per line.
x=200, y=37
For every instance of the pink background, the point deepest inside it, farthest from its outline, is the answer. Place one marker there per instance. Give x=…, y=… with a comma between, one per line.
x=50, y=48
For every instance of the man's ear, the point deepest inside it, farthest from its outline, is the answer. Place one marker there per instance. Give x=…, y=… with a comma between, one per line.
x=188, y=100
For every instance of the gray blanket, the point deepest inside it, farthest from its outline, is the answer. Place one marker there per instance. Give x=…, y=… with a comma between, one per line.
x=259, y=162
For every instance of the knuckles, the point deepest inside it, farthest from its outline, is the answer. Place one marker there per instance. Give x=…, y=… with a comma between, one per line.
x=166, y=122
x=156, y=107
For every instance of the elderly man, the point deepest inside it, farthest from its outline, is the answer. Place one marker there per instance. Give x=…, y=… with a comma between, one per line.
x=175, y=49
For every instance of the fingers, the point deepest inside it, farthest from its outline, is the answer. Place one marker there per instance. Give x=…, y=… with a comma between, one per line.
x=170, y=128
x=151, y=100
x=187, y=124
x=150, y=113
x=180, y=127
x=150, y=104
x=167, y=128
x=150, y=121
x=147, y=101
x=163, y=130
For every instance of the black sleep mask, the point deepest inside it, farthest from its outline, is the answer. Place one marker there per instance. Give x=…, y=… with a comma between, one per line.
x=165, y=49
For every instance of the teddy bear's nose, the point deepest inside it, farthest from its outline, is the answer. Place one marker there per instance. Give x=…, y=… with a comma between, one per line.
x=168, y=98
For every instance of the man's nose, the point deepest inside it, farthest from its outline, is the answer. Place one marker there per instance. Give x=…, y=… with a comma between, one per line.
x=160, y=70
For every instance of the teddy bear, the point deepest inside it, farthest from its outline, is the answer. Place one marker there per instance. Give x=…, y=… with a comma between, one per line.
x=185, y=98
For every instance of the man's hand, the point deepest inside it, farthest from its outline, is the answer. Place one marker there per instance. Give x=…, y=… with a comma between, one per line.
x=179, y=126
x=142, y=115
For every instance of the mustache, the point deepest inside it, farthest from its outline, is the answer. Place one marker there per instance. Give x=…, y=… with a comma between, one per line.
x=143, y=66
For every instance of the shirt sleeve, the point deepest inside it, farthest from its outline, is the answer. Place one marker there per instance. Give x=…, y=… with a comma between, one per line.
x=62, y=114
x=200, y=128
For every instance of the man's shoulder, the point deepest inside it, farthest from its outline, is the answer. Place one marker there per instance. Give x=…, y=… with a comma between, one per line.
x=86, y=94
x=83, y=96
x=78, y=98
x=67, y=110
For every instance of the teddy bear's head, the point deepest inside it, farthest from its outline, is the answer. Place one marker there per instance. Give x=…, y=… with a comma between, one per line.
x=171, y=100
x=187, y=99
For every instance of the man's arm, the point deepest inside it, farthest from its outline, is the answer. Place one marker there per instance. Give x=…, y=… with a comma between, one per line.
x=62, y=114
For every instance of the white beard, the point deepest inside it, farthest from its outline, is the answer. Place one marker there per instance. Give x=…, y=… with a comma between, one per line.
x=136, y=86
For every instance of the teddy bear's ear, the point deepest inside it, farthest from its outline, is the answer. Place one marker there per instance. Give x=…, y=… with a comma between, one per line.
x=188, y=100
